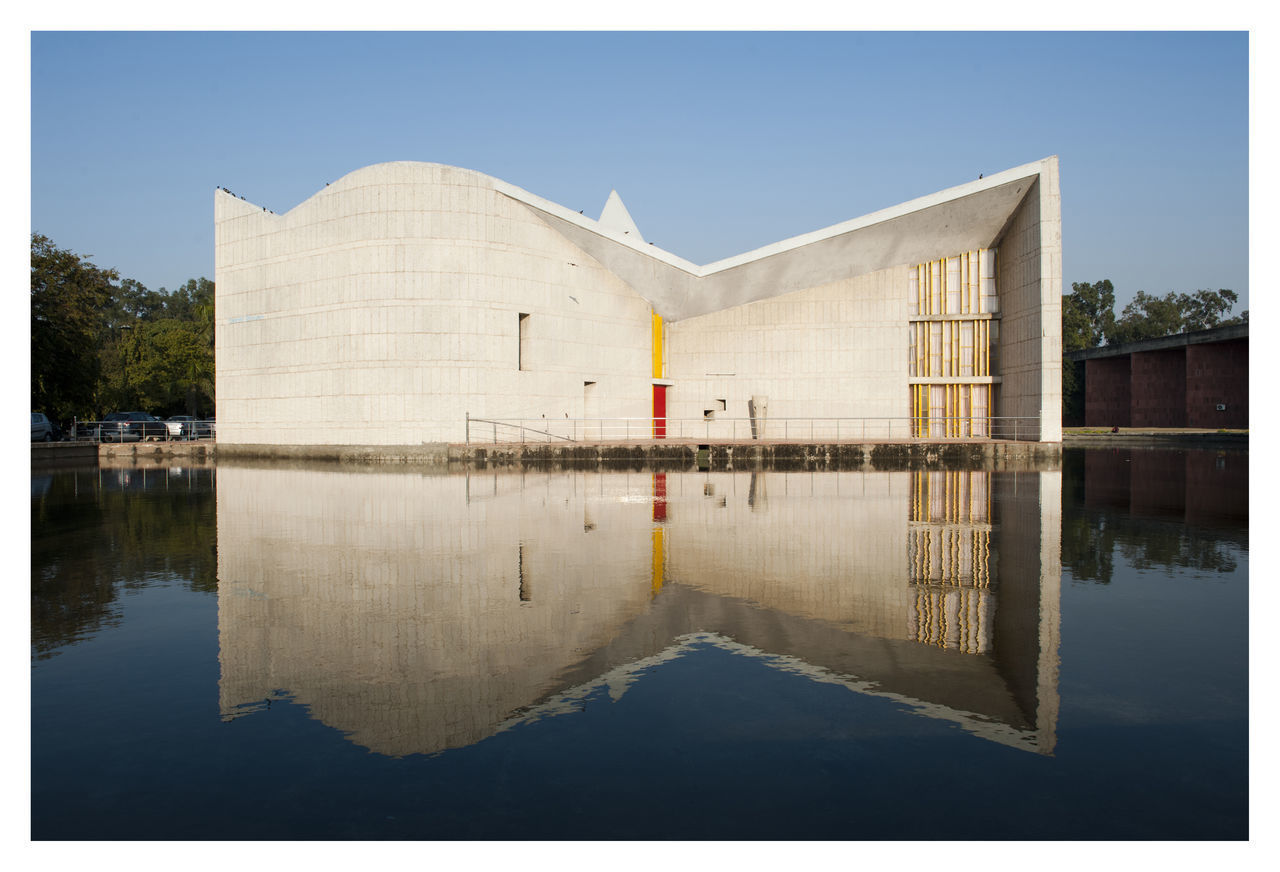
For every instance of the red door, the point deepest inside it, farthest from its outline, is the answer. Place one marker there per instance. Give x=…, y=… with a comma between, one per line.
x=659, y=411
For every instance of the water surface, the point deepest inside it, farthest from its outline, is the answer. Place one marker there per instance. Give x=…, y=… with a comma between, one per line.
x=266, y=652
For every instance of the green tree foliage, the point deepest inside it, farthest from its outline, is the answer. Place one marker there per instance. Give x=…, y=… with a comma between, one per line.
x=68, y=298
x=101, y=344
x=170, y=366
x=1150, y=316
x=1088, y=315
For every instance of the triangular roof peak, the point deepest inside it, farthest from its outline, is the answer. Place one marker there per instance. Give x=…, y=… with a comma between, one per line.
x=615, y=217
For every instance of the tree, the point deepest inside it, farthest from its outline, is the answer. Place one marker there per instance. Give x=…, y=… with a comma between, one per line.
x=1150, y=316
x=1205, y=308
x=100, y=343
x=68, y=298
x=1088, y=315
x=170, y=366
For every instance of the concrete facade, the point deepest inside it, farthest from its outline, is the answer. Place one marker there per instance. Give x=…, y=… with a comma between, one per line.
x=405, y=297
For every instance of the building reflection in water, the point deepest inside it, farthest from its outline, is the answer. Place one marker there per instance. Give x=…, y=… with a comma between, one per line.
x=420, y=613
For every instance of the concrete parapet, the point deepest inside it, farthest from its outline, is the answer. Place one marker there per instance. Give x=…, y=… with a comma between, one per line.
x=427, y=453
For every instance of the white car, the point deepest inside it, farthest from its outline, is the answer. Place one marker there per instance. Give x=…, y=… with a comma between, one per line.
x=181, y=427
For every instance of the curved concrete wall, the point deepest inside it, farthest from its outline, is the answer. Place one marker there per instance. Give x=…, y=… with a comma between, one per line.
x=385, y=309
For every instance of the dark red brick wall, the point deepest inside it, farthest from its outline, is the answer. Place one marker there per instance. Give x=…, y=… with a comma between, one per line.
x=1218, y=373
x=1106, y=392
x=1158, y=388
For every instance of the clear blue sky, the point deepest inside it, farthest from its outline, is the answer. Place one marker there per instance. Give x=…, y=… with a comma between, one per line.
x=717, y=142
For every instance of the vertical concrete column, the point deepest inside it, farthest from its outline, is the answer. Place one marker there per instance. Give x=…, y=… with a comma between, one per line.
x=1029, y=270
x=1050, y=307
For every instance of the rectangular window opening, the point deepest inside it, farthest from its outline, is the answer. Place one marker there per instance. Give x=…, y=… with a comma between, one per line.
x=522, y=351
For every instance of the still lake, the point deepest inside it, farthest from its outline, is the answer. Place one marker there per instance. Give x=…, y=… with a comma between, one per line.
x=276, y=652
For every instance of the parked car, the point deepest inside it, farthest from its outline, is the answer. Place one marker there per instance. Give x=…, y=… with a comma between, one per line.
x=182, y=427
x=206, y=429
x=132, y=427
x=44, y=430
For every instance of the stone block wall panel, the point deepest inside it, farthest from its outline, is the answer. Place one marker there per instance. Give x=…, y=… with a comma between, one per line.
x=1107, y=394
x=1218, y=374
x=1158, y=388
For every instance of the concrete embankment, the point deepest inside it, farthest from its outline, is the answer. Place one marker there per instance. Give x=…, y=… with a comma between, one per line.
x=655, y=454
x=45, y=455
x=668, y=454
x=1135, y=437
x=48, y=455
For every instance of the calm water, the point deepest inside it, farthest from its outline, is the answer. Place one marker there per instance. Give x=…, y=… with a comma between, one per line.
x=257, y=652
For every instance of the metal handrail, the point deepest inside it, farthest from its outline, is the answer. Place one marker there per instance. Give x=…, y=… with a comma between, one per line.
x=91, y=431
x=825, y=429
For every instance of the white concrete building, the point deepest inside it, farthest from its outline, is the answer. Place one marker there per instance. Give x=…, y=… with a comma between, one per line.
x=406, y=298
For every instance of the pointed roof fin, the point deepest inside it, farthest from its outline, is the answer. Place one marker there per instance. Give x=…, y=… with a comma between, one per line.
x=616, y=217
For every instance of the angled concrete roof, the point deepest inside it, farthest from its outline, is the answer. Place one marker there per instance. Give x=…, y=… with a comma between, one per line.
x=962, y=218
x=968, y=216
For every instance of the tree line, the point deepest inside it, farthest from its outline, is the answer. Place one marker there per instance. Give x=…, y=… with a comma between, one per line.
x=1089, y=321
x=102, y=344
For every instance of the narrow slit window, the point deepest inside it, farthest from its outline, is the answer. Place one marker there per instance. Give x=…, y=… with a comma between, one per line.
x=522, y=352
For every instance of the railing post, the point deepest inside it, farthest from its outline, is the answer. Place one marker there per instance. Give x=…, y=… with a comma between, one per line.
x=468, y=437
x=495, y=433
